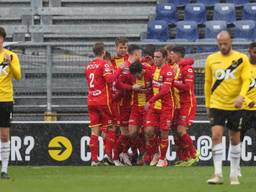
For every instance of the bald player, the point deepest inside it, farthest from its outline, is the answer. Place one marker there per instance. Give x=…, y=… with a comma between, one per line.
x=227, y=80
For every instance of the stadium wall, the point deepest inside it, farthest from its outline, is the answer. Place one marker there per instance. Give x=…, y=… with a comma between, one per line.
x=63, y=143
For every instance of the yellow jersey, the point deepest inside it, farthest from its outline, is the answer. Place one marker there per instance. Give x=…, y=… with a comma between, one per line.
x=175, y=90
x=8, y=71
x=226, y=77
x=251, y=94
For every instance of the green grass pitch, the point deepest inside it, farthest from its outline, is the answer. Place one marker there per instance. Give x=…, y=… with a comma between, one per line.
x=121, y=179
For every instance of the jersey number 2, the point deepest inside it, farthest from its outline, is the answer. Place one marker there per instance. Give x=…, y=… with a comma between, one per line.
x=91, y=76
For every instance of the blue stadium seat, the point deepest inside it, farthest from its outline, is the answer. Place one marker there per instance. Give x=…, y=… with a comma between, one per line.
x=238, y=2
x=158, y=29
x=178, y=2
x=212, y=28
x=195, y=12
x=208, y=2
x=186, y=31
x=224, y=11
x=167, y=12
x=249, y=11
x=245, y=29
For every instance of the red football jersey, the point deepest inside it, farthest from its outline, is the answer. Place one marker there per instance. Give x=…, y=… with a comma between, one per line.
x=161, y=76
x=124, y=80
x=185, y=81
x=99, y=91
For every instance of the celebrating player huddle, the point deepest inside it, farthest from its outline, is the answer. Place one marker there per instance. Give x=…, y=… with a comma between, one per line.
x=135, y=101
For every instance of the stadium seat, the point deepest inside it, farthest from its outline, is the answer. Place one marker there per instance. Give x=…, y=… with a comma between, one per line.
x=178, y=2
x=245, y=30
x=208, y=2
x=238, y=2
x=158, y=30
x=186, y=31
x=249, y=11
x=212, y=28
x=166, y=11
x=195, y=12
x=224, y=11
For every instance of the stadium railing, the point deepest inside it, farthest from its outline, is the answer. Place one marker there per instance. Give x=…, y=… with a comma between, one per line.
x=53, y=78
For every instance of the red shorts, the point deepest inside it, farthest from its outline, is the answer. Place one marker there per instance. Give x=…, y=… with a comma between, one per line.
x=159, y=118
x=137, y=116
x=99, y=115
x=125, y=112
x=187, y=114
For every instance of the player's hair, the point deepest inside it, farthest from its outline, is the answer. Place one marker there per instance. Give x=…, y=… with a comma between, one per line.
x=149, y=50
x=180, y=50
x=135, y=68
x=132, y=48
x=121, y=40
x=98, y=48
x=107, y=56
x=252, y=45
x=163, y=51
x=169, y=47
x=2, y=32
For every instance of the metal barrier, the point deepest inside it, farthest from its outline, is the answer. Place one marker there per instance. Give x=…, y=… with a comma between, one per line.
x=53, y=75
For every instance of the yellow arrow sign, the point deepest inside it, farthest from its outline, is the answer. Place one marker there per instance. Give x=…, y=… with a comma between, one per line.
x=60, y=148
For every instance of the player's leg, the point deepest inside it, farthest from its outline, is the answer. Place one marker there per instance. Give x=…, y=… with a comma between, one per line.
x=234, y=125
x=166, y=117
x=5, y=151
x=217, y=118
x=106, y=119
x=152, y=122
x=189, y=155
x=5, y=124
x=95, y=126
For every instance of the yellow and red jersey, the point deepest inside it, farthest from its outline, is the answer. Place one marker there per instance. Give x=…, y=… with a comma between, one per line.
x=162, y=82
x=139, y=99
x=117, y=61
x=176, y=93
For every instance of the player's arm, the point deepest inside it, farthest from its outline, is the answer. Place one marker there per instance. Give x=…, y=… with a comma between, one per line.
x=109, y=76
x=188, y=83
x=122, y=82
x=207, y=83
x=250, y=103
x=14, y=66
x=245, y=76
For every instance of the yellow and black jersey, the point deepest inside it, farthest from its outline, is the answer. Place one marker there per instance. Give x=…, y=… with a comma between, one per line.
x=9, y=69
x=251, y=94
x=226, y=77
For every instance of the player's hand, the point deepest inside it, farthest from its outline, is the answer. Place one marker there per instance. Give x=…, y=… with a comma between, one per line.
x=239, y=102
x=208, y=112
x=146, y=107
x=7, y=59
x=251, y=104
x=136, y=87
x=177, y=82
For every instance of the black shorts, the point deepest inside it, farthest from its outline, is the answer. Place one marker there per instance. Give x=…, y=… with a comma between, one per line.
x=230, y=119
x=6, y=109
x=249, y=120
